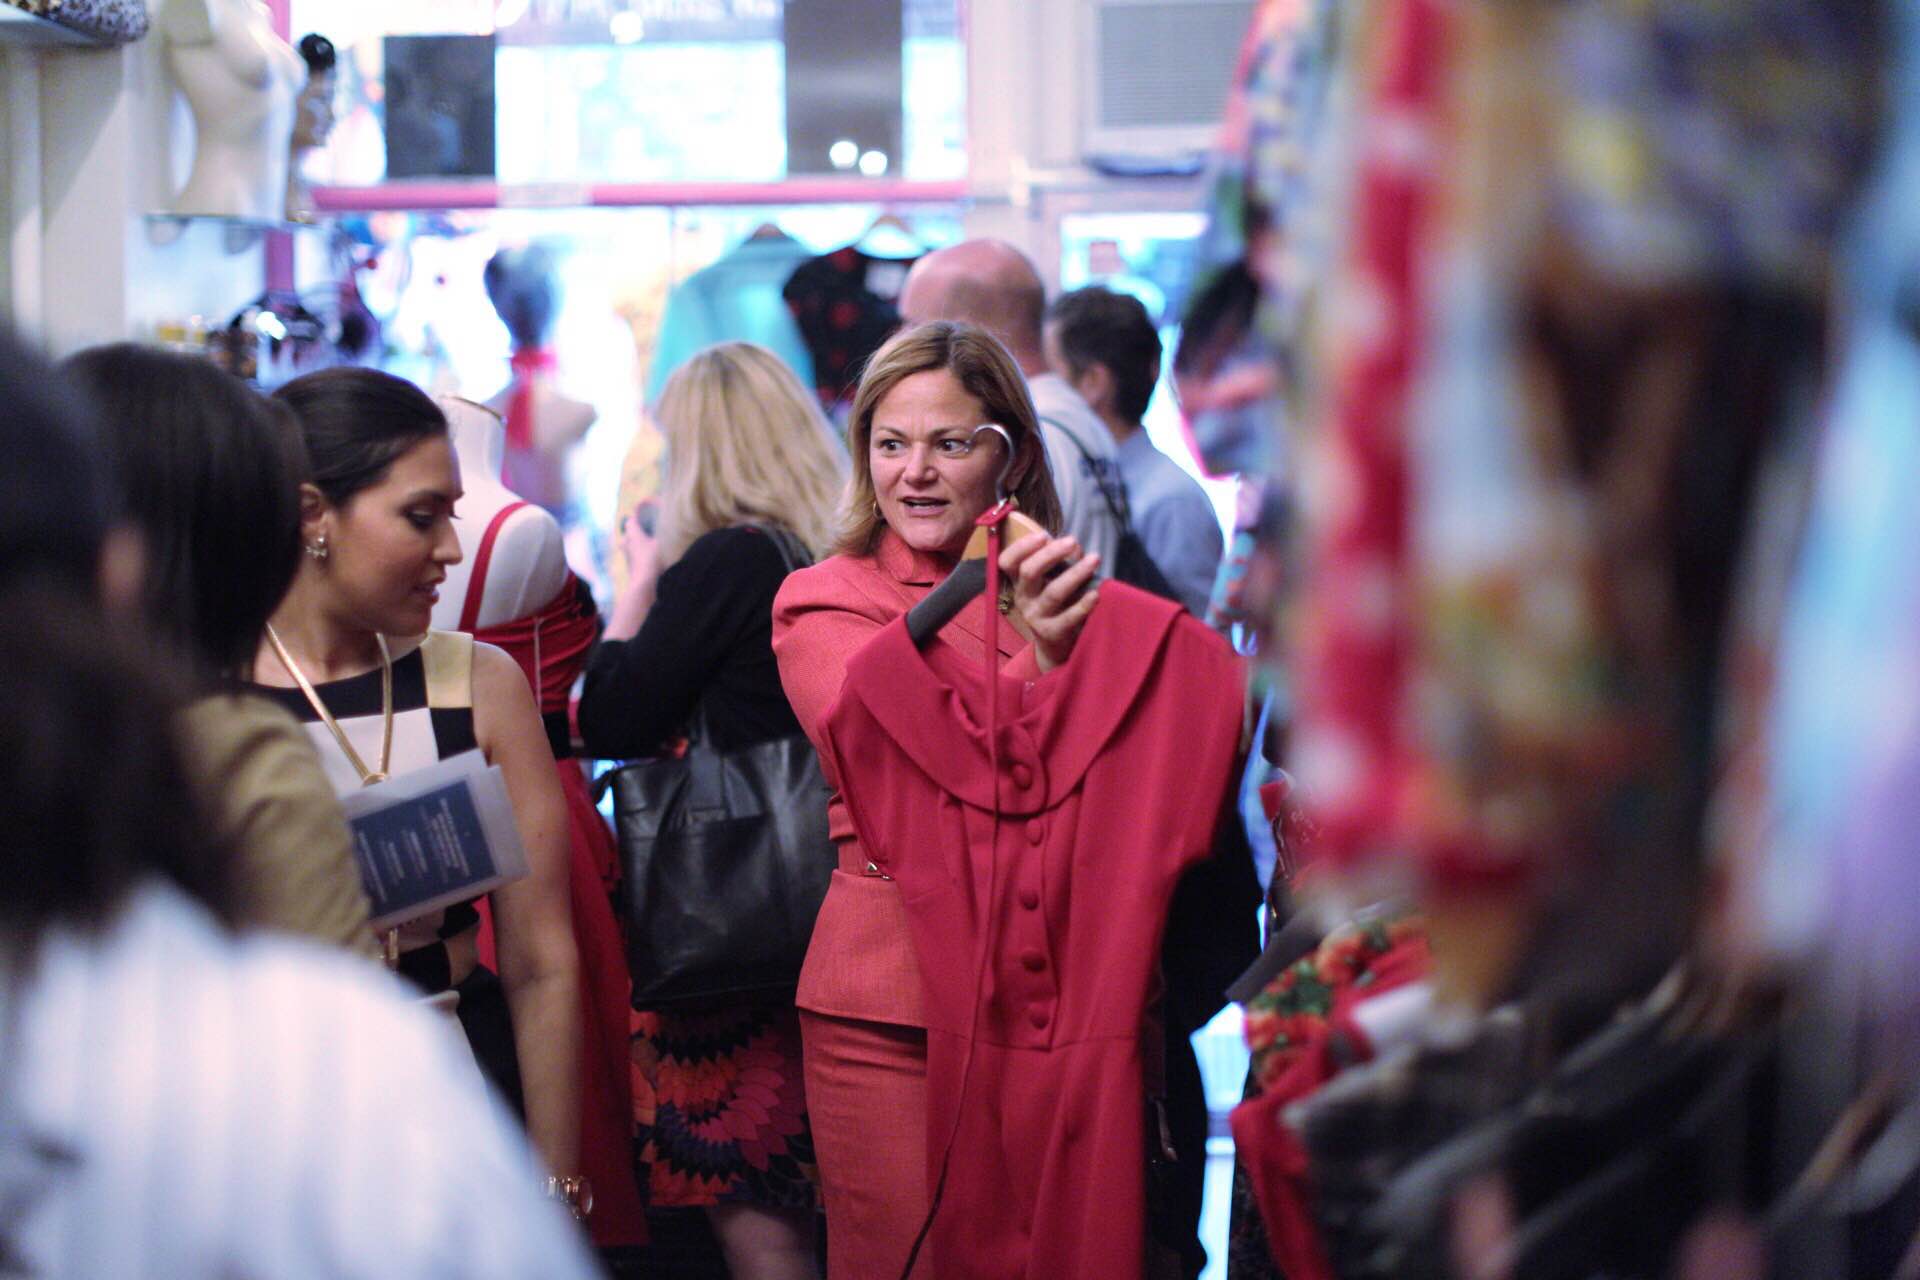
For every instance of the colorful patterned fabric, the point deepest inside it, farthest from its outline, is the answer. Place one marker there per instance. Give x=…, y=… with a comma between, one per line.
x=1707, y=139
x=1293, y=82
x=1302, y=1032
x=108, y=21
x=1533, y=485
x=1354, y=636
x=844, y=304
x=721, y=1108
x=1291, y=1014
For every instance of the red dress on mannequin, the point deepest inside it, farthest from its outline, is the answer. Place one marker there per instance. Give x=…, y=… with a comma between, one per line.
x=1056, y=863
x=551, y=646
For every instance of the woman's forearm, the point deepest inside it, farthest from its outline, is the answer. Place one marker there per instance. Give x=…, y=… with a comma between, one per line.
x=546, y=1037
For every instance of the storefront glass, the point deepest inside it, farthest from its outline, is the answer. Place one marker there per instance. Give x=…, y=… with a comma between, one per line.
x=613, y=91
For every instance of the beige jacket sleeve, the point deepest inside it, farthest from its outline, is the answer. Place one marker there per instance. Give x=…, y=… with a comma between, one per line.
x=256, y=772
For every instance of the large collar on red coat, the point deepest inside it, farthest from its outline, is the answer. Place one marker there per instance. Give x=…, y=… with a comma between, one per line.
x=933, y=705
x=908, y=566
x=917, y=572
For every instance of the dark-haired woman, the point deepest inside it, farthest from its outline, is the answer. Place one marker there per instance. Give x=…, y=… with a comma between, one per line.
x=350, y=654
x=208, y=473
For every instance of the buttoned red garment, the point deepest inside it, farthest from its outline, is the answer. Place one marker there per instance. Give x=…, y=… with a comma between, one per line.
x=1111, y=770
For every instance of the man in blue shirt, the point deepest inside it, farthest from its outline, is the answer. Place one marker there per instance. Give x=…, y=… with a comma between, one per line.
x=1105, y=345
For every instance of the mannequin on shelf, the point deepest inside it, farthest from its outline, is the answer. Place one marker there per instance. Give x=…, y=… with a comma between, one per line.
x=543, y=425
x=526, y=567
x=240, y=79
x=512, y=588
x=312, y=121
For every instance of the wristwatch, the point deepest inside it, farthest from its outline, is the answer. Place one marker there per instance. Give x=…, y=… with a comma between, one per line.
x=575, y=1192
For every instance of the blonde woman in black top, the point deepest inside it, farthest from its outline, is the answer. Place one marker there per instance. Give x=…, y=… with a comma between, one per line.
x=748, y=451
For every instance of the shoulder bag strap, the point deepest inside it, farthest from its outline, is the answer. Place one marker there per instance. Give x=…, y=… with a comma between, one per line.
x=793, y=552
x=793, y=555
x=1116, y=503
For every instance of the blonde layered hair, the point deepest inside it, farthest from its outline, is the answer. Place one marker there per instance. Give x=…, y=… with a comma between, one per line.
x=984, y=371
x=746, y=444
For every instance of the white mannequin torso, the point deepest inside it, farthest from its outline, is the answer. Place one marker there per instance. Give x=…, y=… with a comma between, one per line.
x=528, y=566
x=241, y=80
x=559, y=422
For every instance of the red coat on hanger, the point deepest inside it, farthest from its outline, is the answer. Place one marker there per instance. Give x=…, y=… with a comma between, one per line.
x=1111, y=773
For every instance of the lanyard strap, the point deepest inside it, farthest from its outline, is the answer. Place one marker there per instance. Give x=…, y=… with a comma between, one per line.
x=367, y=776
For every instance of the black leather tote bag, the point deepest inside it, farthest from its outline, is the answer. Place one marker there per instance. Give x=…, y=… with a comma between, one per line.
x=726, y=859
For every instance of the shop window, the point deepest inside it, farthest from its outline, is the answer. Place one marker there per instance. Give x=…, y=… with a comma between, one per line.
x=420, y=279
x=642, y=91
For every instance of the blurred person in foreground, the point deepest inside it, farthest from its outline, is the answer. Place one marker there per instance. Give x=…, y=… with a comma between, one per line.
x=208, y=472
x=752, y=481
x=1104, y=344
x=178, y=1101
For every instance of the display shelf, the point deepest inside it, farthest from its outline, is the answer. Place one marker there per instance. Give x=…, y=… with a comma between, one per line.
x=242, y=224
x=416, y=194
x=17, y=26
x=240, y=234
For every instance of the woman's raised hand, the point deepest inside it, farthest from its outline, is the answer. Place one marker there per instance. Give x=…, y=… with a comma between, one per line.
x=1053, y=590
x=643, y=571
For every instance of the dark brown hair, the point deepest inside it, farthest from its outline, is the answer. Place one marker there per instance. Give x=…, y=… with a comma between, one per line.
x=357, y=422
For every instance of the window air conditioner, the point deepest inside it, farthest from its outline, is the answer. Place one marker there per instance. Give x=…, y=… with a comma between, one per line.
x=1157, y=77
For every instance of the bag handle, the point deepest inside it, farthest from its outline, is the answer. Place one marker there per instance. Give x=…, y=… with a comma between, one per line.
x=705, y=780
x=1118, y=506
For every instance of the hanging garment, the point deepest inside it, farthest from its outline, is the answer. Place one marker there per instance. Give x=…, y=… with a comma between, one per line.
x=736, y=299
x=860, y=990
x=1823, y=847
x=1040, y=886
x=844, y=304
x=1355, y=633
x=1302, y=1031
x=551, y=646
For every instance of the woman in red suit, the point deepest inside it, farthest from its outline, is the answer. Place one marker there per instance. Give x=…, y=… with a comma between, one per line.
x=920, y=480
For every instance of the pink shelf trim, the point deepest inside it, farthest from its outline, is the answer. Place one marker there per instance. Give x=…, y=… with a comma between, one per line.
x=563, y=195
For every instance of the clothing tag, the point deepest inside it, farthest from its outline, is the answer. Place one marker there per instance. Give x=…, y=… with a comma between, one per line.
x=884, y=279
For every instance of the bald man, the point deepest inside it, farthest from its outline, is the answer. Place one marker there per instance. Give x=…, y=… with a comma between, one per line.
x=991, y=284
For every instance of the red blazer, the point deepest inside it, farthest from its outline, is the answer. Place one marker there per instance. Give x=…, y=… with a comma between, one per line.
x=860, y=963
x=1037, y=883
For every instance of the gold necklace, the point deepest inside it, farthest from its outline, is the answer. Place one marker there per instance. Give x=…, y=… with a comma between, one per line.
x=367, y=776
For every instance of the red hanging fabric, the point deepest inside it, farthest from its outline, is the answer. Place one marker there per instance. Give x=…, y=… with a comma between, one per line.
x=1352, y=744
x=526, y=363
